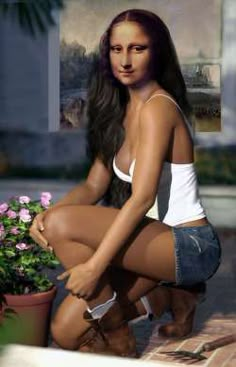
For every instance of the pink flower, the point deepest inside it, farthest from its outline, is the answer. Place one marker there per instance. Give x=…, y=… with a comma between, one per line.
x=22, y=246
x=14, y=230
x=46, y=196
x=3, y=208
x=24, y=199
x=11, y=214
x=45, y=199
x=24, y=215
x=45, y=202
x=2, y=231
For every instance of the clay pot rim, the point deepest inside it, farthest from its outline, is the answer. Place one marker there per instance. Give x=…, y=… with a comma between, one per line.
x=32, y=298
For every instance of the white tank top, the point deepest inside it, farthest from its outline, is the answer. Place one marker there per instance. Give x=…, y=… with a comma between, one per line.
x=177, y=199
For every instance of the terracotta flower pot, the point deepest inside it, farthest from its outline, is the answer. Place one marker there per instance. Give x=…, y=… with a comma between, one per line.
x=31, y=322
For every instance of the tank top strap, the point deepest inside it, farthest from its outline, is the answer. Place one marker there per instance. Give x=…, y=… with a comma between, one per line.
x=176, y=104
x=166, y=96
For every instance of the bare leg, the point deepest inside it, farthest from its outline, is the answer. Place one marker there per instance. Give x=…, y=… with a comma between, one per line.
x=69, y=325
x=149, y=251
x=74, y=239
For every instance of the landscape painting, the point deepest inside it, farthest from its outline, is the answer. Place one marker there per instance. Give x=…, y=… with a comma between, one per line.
x=196, y=29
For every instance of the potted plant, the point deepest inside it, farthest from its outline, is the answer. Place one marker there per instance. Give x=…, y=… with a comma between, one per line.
x=24, y=284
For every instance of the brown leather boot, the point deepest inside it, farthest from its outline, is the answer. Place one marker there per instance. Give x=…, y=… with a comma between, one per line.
x=159, y=301
x=92, y=341
x=109, y=335
x=182, y=307
x=180, y=302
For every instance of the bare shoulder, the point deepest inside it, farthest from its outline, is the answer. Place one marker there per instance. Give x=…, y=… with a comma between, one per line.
x=160, y=110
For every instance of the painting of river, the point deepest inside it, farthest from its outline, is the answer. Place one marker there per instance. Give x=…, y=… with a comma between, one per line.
x=197, y=40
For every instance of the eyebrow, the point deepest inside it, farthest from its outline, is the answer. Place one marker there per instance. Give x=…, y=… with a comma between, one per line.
x=131, y=44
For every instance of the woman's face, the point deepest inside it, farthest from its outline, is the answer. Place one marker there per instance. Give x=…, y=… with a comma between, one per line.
x=130, y=53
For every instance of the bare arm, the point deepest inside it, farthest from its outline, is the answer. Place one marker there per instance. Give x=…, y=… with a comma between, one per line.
x=86, y=193
x=155, y=130
x=92, y=189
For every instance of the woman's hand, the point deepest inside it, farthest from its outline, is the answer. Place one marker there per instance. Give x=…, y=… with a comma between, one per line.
x=36, y=230
x=82, y=280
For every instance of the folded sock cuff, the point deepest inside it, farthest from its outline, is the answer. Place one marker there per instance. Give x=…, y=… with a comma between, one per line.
x=103, y=304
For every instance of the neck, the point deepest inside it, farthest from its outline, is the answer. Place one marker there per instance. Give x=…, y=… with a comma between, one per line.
x=138, y=95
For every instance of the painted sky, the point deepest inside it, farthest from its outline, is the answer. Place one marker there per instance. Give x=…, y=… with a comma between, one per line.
x=195, y=25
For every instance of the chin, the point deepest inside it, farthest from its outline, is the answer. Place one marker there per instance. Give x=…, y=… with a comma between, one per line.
x=132, y=81
x=134, y=84
x=128, y=81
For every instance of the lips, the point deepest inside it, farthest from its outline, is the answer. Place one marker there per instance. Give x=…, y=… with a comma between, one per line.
x=126, y=72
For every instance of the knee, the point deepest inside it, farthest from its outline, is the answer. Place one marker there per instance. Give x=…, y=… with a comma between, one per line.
x=62, y=337
x=55, y=223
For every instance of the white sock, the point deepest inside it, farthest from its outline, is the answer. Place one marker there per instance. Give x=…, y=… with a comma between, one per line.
x=98, y=311
x=147, y=306
x=148, y=315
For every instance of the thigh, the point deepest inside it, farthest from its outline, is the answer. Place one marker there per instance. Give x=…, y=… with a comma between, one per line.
x=148, y=251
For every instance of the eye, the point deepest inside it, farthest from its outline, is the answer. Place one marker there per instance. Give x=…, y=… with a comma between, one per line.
x=115, y=49
x=139, y=48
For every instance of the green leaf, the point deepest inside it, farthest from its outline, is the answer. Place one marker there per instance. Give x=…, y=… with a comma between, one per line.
x=10, y=253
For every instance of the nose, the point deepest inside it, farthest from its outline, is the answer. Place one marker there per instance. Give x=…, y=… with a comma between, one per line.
x=125, y=60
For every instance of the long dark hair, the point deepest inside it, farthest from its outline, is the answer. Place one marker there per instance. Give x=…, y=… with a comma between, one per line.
x=108, y=98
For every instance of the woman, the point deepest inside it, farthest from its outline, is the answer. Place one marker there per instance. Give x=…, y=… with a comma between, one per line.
x=139, y=129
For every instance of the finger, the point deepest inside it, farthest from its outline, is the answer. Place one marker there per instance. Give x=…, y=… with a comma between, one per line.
x=63, y=276
x=37, y=224
x=40, y=242
x=81, y=295
x=50, y=249
x=43, y=240
x=37, y=237
x=34, y=237
x=40, y=224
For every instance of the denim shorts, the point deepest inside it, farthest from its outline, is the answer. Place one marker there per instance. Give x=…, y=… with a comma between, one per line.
x=197, y=253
